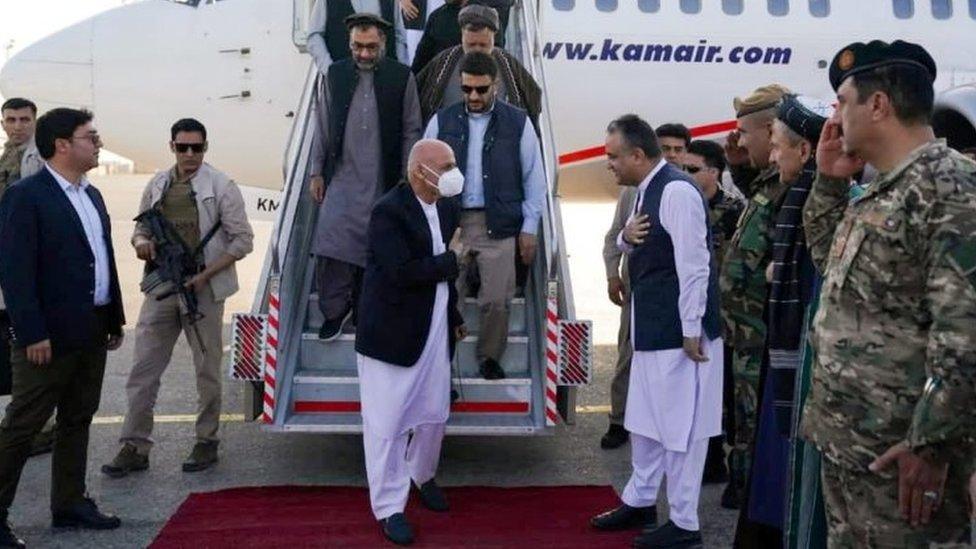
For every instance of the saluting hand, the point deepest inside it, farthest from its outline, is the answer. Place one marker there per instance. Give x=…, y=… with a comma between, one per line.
x=636, y=229
x=736, y=155
x=831, y=158
x=316, y=186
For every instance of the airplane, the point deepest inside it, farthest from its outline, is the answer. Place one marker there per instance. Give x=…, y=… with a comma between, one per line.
x=240, y=67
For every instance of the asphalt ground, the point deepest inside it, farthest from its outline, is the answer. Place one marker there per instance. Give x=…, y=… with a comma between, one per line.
x=253, y=457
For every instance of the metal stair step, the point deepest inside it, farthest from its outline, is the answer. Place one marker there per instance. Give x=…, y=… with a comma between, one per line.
x=340, y=354
x=516, y=317
x=457, y=424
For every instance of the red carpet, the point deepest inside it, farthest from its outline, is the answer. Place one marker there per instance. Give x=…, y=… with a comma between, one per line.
x=307, y=516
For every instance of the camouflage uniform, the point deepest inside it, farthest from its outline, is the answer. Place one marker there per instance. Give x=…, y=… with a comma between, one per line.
x=10, y=164
x=743, y=284
x=895, y=341
x=724, y=210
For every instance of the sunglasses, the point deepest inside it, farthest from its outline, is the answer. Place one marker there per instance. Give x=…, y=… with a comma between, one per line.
x=195, y=147
x=480, y=89
x=692, y=169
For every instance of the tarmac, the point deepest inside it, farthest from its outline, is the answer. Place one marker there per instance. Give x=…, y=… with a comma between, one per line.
x=253, y=457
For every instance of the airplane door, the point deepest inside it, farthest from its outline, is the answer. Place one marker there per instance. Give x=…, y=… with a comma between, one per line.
x=302, y=11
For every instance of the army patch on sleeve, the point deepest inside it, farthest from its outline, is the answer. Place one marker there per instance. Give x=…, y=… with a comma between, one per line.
x=962, y=257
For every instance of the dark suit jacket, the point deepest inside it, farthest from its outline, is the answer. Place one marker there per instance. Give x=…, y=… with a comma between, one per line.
x=401, y=278
x=47, y=269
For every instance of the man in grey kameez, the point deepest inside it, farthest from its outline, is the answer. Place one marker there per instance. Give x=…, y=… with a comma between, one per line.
x=368, y=120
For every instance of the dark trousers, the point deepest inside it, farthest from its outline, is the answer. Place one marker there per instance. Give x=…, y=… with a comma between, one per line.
x=338, y=284
x=72, y=383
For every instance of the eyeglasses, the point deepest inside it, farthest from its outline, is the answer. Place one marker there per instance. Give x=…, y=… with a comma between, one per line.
x=466, y=90
x=195, y=147
x=692, y=169
x=94, y=138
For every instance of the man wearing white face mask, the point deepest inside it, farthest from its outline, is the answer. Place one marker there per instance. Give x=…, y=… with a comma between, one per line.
x=503, y=197
x=408, y=326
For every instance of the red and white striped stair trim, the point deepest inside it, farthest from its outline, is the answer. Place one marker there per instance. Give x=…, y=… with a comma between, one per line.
x=552, y=352
x=271, y=350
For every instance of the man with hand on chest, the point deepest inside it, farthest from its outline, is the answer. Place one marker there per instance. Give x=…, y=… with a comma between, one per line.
x=409, y=325
x=674, y=398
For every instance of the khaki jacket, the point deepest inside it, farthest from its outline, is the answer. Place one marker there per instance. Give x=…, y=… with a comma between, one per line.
x=218, y=198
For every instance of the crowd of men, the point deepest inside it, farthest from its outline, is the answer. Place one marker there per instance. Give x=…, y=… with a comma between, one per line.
x=814, y=312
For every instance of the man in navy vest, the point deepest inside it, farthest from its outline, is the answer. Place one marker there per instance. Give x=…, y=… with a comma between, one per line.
x=674, y=400
x=504, y=194
x=327, y=40
x=368, y=119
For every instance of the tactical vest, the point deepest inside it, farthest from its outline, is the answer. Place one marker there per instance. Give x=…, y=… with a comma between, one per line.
x=337, y=35
x=654, y=276
x=501, y=162
x=389, y=86
x=179, y=206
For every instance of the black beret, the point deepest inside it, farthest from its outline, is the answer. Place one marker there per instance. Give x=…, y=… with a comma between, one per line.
x=371, y=19
x=804, y=115
x=859, y=57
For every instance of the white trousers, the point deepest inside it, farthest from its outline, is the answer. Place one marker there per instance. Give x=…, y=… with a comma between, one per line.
x=684, y=472
x=391, y=463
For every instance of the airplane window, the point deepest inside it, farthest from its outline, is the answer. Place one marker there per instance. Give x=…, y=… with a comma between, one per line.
x=564, y=5
x=904, y=9
x=778, y=7
x=653, y=6
x=942, y=9
x=690, y=6
x=734, y=7
x=820, y=8
x=606, y=5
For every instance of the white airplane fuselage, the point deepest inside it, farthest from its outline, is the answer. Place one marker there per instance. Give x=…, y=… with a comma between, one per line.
x=233, y=64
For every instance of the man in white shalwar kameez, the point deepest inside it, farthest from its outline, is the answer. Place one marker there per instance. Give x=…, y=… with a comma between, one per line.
x=674, y=402
x=405, y=338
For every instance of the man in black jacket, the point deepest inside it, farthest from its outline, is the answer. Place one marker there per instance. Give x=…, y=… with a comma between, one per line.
x=443, y=31
x=57, y=269
x=408, y=326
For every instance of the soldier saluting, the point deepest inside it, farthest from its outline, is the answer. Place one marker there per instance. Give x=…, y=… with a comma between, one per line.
x=892, y=401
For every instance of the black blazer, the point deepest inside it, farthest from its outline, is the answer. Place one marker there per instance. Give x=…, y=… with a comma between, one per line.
x=47, y=269
x=401, y=278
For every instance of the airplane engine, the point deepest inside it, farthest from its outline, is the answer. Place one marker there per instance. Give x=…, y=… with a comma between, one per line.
x=955, y=116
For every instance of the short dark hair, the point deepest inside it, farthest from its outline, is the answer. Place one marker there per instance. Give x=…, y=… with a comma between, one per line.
x=677, y=131
x=479, y=64
x=58, y=124
x=636, y=133
x=908, y=87
x=365, y=26
x=17, y=103
x=187, y=125
x=711, y=152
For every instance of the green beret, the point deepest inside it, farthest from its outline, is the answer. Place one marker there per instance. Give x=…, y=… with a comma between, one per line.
x=370, y=19
x=859, y=57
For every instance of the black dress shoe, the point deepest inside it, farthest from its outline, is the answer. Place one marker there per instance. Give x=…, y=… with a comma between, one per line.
x=8, y=538
x=85, y=515
x=433, y=497
x=715, y=470
x=615, y=437
x=397, y=529
x=626, y=517
x=491, y=369
x=670, y=536
x=331, y=329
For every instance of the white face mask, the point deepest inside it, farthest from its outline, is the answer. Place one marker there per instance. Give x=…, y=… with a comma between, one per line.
x=449, y=183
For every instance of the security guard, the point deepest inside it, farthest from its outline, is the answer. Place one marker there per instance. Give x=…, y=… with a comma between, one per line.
x=743, y=279
x=892, y=405
x=206, y=209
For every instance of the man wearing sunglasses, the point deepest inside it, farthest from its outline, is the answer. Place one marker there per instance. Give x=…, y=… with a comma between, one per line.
x=497, y=149
x=206, y=210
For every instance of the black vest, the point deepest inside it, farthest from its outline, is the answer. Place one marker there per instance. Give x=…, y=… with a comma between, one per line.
x=501, y=162
x=337, y=35
x=654, y=276
x=389, y=86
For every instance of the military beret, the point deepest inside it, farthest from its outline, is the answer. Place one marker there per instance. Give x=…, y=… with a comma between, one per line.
x=475, y=14
x=804, y=115
x=859, y=57
x=760, y=99
x=370, y=19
